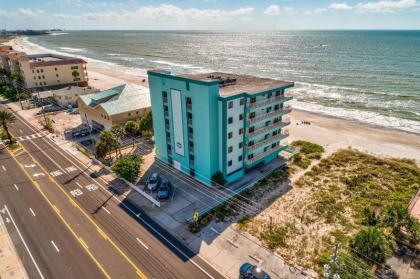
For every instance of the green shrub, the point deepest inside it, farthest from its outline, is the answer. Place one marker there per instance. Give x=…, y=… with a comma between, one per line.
x=274, y=237
x=128, y=167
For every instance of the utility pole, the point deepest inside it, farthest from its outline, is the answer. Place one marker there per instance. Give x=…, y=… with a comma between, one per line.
x=42, y=108
x=17, y=92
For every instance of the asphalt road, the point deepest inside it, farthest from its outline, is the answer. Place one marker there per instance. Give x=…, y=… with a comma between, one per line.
x=117, y=237
x=51, y=251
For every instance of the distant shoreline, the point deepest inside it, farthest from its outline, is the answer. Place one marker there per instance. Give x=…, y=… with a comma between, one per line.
x=332, y=132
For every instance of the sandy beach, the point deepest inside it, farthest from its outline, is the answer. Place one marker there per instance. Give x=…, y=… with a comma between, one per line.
x=332, y=133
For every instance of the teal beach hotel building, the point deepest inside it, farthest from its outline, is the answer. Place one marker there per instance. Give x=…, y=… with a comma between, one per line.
x=218, y=122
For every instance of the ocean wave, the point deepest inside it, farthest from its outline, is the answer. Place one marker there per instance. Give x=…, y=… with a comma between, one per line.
x=58, y=33
x=72, y=49
x=367, y=117
x=305, y=85
x=173, y=64
x=101, y=63
x=114, y=54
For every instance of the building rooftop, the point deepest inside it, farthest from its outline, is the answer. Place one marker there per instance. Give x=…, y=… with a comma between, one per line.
x=232, y=84
x=121, y=99
x=40, y=60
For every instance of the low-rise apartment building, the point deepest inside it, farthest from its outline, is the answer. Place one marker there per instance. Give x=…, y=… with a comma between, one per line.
x=218, y=122
x=51, y=71
x=116, y=105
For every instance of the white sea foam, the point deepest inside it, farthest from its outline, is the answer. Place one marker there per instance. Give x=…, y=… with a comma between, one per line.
x=368, y=117
x=114, y=54
x=100, y=63
x=58, y=33
x=72, y=49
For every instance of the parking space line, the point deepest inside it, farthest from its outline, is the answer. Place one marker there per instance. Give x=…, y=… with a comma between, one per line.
x=3, y=167
x=78, y=184
x=16, y=187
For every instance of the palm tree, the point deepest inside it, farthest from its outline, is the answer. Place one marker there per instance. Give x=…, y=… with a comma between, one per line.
x=107, y=142
x=133, y=128
x=7, y=118
x=119, y=133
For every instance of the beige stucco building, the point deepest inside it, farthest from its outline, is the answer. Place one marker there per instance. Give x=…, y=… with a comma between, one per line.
x=52, y=71
x=116, y=105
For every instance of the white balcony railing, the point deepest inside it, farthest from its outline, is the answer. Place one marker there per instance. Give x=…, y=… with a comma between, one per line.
x=263, y=154
x=259, y=131
x=269, y=140
x=264, y=102
x=262, y=116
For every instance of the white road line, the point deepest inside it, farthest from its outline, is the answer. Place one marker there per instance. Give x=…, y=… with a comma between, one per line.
x=78, y=184
x=3, y=167
x=33, y=213
x=20, y=130
x=60, y=150
x=16, y=187
x=24, y=243
x=142, y=243
x=55, y=246
x=107, y=211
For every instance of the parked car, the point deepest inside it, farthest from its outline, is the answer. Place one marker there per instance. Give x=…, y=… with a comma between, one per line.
x=249, y=271
x=154, y=182
x=165, y=190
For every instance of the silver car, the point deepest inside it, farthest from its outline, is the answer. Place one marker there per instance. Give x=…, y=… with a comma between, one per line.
x=153, y=182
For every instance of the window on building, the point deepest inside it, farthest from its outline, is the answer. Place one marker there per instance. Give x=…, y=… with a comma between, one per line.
x=253, y=100
x=240, y=158
x=230, y=104
x=189, y=115
x=241, y=101
x=191, y=157
x=74, y=67
x=268, y=110
x=265, y=149
x=229, y=163
x=230, y=149
x=45, y=83
x=39, y=77
x=274, y=133
x=42, y=70
x=252, y=115
x=56, y=75
x=276, y=107
x=250, y=156
x=164, y=94
x=251, y=129
x=165, y=108
x=251, y=143
x=58, y=81
x=187, y=86
x=269, y=95
x=230, y=135
x=55, y=69
x=36, y=83
x=169, y=146
x=37, y=70
x=274, y=145
x=230, y=120
x=191, y=144
x=34, y=78
x=266, y=136
x=240, y=145
x=241, y=131
x=167, y=121
x=190, y=130
x=189, y=101
x=129, y=114
x=137, y=112
x=277, y=93
x=43, y=76
x=267, y=123
x=241, y=116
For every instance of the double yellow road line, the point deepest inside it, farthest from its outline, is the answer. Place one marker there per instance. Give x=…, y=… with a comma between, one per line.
x=74, y=203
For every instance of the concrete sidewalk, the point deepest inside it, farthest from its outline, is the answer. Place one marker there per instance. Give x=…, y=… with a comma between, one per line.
x=11, y=266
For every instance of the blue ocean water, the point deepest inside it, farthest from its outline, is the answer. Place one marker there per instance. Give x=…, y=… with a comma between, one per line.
x=368, y=76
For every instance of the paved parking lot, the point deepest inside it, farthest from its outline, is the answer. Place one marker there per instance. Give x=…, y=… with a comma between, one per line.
x=189, y=195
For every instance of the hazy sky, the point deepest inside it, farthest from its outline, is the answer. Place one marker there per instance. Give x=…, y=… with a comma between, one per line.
x=209, y=14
